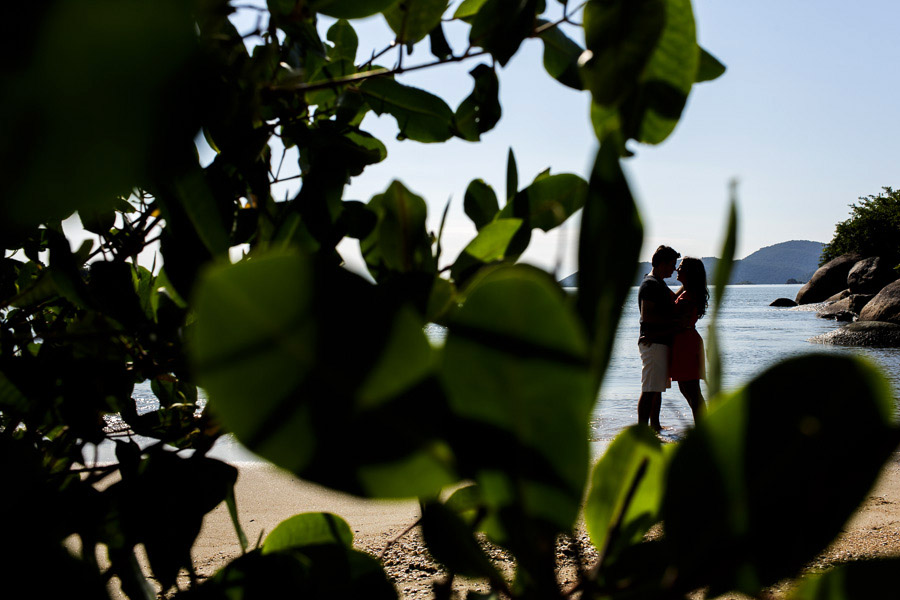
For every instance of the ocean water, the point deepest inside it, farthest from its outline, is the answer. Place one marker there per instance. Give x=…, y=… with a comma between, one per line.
x=753, y=336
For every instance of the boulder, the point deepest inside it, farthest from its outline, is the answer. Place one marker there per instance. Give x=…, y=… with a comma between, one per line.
x=838, y=296
x=782, y=302
x=870, y=334
x=885, y=306
x=839, y=311
x=858, y=301
x=869, y=275
x=828, y=280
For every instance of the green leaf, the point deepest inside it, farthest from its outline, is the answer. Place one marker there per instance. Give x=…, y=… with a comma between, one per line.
x=500, y=26
x=308, y=529
x=608, y=248
x=350, y=9
x=621, y=36
x=400, y=241
x=792, y=450
x=561, y=56
x=490, y=245
x=720, y=283
x=467, y=9
x=625, y=495
x=709, y=67
x=412, y=20
x=856, y=579
x=548, y=201
x=450, y=541
x=480, y=203
x=512, y=176
x=420, y=115
x=440, y=48
x=511, y=346
x=481, y=110
x=344, y=41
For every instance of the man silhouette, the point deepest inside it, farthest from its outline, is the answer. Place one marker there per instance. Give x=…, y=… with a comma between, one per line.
x=657, y=303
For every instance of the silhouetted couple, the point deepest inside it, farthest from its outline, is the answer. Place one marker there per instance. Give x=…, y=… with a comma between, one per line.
x=671, y=349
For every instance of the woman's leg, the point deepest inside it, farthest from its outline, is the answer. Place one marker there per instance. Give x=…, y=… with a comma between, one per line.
x=694, y=396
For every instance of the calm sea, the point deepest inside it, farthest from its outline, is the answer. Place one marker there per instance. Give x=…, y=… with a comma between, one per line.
x=753, y=336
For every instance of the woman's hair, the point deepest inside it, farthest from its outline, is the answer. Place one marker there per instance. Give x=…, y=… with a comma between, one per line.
x=694, y=279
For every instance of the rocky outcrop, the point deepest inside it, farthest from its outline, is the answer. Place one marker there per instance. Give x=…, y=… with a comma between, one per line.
x=783, y=302
x=871, y=334
x=828, y=280
x=869, y=275
x=885, y=306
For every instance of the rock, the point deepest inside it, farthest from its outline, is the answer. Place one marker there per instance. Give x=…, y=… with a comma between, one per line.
x=869, y=275
x=846, y=309
x=858, y=301
x=783, y=302
x=885, y=306
x=828, y=280
x=838, y=296
x=871, y=334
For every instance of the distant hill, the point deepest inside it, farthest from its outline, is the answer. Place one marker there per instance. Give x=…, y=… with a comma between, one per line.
x=797, y=260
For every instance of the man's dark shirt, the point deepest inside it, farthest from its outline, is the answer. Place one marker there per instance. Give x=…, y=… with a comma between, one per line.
x=656, y=291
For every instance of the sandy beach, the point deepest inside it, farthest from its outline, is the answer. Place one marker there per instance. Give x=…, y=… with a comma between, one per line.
x=266, y=496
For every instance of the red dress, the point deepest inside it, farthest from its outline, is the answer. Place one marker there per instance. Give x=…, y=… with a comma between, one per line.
x=688, y=359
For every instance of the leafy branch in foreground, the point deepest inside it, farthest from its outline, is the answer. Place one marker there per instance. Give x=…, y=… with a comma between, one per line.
x=328, y=374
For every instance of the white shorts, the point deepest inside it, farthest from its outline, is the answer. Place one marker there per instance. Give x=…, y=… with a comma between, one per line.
x=655, y=370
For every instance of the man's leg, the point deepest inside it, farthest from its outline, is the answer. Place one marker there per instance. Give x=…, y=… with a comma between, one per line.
x=646, y=405
x=654, y=415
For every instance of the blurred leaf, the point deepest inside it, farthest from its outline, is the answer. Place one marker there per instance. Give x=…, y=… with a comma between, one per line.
x=466, y=502
x=399, y=242
x=467, y=9
x=480, y=203
x=548, y=201
x=489, y=245
x=344, y=40
x=512, y=345
x=97, y=221
x=561, y=56
x=350, y=9
x=709, y=67
x=308, y=529
x=440, y=301
x=621, y=36
x=420, y=115
x=512, y=176
x=481, y=110
x=440, y=48
x=626, y=490
x=451, y=542
x=608, y=249
x=412, y=20
x=720, y=282
x=500, y=26
x=735, y=483
x=858, y=579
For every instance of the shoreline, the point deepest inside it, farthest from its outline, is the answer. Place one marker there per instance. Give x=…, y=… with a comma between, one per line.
x=266, y=496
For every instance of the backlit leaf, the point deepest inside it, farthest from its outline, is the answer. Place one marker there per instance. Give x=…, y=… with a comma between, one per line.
x=412, y=20
x=350, y=9
x=420, y=115
x=480, y=111
x=480, y=203
x=308, y=529
x=561, y=56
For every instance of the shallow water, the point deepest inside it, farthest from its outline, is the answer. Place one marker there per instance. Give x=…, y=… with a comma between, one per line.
x=753, y=336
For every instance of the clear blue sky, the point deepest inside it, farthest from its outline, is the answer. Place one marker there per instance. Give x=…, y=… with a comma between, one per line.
x=805, y=118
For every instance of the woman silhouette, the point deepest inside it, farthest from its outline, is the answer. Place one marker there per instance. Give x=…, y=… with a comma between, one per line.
x=688, y=359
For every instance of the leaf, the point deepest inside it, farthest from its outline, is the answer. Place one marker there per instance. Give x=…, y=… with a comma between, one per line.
x=400, y=241
x=500, y=26
x=420, y=115
x=480, y=203
x=856, y=579
x=548, y=201
x=350, y=9
x=452, y=544
x=308, y=529
x=440, y=48
x=412, y=20
x=561, y=56
x=734, y=483
x=621, y=37
x=709, y=67
x=720, y=283
x=512, y=176
x=511, y=346
x=481, y=110
x=344, y=40
x=608, y=248
x=490, y=245
x=626, y=490
x=467, y=9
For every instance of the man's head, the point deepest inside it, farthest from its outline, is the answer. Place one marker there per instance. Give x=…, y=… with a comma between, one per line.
x=663, y=261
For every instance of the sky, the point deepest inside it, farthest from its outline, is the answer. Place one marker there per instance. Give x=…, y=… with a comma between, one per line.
x=805, y=119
